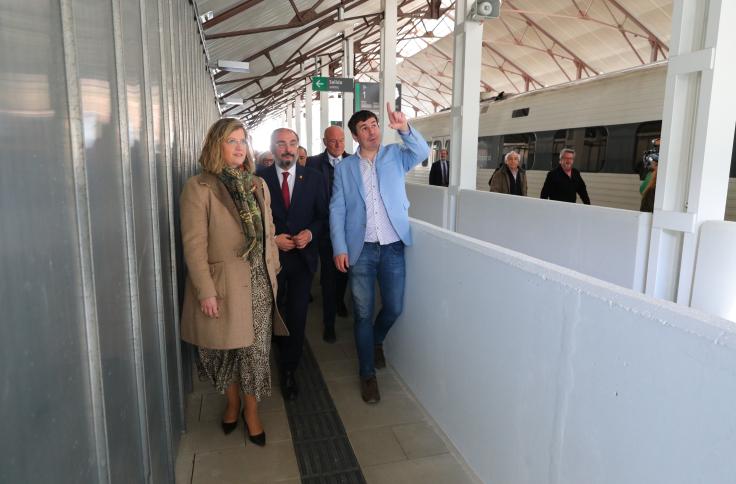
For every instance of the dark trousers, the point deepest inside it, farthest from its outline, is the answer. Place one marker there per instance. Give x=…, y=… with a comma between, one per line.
x=294, y=280
x=333, y=284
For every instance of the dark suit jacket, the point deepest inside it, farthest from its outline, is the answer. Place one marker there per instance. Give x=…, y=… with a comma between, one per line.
x=435, y=174
x=308, y=210
x=321, y=163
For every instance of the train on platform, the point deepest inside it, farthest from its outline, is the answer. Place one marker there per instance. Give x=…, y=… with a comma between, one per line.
x=610, y=120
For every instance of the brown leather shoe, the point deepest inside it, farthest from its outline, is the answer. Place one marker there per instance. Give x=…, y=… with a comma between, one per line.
x=379, y=361
x=369, y=390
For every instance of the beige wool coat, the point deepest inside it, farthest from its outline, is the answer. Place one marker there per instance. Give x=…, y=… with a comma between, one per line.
x=212, y=236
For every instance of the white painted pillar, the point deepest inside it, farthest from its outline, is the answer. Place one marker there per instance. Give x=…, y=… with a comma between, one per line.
x=324, y=104
x=388, y=67
x=468, y=42
x=298, y=119
x=697, y=140
x=290, y=116
x=348, y=107
x=309, y=121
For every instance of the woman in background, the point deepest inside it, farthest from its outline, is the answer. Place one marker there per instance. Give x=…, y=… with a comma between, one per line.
x=232, y=260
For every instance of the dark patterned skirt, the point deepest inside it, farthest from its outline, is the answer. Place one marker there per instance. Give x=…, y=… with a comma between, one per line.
x=249, y=367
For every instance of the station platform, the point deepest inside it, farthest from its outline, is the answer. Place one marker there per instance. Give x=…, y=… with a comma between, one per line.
x=394, y=441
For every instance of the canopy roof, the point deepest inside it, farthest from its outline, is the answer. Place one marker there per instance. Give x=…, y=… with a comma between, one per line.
x=534, y=44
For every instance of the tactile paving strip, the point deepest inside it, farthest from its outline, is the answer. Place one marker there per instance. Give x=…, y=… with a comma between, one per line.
x=322, y=448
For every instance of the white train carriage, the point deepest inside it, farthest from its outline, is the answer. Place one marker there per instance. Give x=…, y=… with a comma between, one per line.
x=609, y=121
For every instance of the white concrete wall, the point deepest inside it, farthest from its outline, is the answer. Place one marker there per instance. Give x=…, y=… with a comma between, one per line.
x=714, y=284
x=428, y=203
x=606, y=243
x=541, y=375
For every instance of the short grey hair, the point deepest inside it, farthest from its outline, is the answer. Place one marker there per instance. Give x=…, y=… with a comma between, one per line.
x=512, y=152
x=567, y=150
x=263, y=156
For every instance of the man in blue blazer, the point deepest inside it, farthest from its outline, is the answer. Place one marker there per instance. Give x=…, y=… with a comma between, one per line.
x=333, y=281
x=369, y=228
x=299, y=208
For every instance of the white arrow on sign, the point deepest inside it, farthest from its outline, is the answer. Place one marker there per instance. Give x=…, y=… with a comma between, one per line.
x=318, y=83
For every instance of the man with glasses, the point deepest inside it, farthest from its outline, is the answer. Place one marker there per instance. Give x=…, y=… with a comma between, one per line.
x=299, y=208
x=333, y=281
x=369, y=227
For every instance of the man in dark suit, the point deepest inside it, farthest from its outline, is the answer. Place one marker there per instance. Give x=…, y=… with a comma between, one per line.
x=439, y=174
x=333, y=281
x=300, y=210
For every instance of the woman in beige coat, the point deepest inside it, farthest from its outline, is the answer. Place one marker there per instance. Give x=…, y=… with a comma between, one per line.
x=232, y=260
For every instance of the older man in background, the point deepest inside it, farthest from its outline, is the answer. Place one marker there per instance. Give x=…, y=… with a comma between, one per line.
x=333, y=281
x=510, y=178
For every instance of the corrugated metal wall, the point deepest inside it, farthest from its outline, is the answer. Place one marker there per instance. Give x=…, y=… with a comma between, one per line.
x=103, y=106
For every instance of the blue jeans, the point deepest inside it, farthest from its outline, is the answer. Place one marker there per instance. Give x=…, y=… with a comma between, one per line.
x=385, y=263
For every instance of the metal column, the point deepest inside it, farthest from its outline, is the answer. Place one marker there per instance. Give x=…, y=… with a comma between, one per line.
x=697, y=139
x=310, y=117
x=347, y=97
x=388, y=67
x=324, y=102
x=468, y=38
x=298, y=119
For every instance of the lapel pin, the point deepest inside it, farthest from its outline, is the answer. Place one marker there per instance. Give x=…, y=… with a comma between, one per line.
x=301, y=177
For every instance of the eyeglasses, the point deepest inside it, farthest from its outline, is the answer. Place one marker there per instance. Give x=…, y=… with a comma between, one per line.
x=236, y=142
x=334, y=141
x=283, y=144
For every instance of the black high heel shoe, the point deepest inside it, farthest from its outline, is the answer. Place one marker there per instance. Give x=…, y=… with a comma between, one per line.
x=259, y=440
x=228, y=427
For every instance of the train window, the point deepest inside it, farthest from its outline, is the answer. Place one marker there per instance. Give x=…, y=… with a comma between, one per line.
x=589, y=145
x=436, y=147
x=559, y=142
x=489, y=151
x=645, y=133
x=593, y=155
x=524, y=144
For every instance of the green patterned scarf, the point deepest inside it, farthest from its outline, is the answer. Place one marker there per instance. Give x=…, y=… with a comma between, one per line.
x=241, y=186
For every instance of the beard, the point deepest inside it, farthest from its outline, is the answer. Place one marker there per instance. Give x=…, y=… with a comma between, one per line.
x=285, y=163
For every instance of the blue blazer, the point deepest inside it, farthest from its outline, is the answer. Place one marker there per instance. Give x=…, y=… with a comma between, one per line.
x=307, y=210
x=347, y=206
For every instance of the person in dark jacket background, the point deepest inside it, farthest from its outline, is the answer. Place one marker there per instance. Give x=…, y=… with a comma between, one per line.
x=439, y=173
x=564, y=182
x=509, y=178
x=334, y=282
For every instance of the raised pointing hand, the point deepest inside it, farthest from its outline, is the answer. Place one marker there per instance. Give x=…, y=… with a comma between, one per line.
x=396, y=119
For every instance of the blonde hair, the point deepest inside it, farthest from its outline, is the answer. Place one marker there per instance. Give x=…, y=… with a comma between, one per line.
x=211, y=156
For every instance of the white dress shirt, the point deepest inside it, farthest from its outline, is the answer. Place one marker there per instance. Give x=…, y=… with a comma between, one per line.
x=290, y=179
x=378, y=226
x=334, y=160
